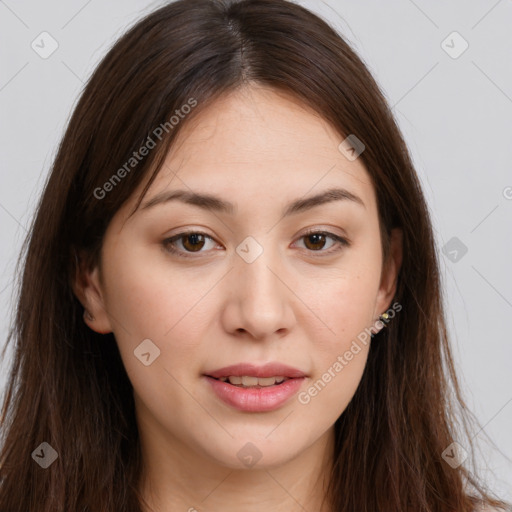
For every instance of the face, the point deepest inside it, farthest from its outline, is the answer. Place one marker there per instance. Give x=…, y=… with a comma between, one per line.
x=253, y=283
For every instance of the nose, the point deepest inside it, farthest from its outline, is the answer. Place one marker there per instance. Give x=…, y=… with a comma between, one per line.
x=260, y=301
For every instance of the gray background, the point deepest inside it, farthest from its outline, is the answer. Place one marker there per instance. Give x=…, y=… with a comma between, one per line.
x=455, y=113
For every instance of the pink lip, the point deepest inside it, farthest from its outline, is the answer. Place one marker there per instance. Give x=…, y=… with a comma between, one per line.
x=267, y=370
x=255, y=399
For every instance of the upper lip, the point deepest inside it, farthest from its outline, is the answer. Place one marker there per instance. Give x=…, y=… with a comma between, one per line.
x=248, y=369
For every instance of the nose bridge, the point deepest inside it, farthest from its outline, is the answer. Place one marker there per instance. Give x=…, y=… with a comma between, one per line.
x=256, y=266
x=259, y=290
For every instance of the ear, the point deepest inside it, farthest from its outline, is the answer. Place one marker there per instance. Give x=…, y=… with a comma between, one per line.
x=88, y=288
x=390, y=271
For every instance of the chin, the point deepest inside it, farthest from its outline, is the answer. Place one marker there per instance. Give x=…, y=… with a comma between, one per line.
x=252, y=455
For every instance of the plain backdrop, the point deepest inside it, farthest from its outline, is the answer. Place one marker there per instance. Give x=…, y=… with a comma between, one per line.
x=446, y=69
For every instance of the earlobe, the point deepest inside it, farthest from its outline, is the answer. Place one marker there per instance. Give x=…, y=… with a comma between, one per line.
x=88, y=290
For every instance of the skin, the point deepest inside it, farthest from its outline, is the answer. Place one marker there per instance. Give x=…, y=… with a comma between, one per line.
x=259, y=149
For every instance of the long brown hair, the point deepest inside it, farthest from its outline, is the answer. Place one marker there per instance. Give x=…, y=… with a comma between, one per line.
x=68, y=386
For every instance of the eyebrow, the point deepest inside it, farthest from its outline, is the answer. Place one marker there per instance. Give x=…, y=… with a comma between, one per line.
x=211, y=202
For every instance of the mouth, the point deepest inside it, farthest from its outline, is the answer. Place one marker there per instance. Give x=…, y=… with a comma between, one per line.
x=251, y=388
x=248, y=381
x=248, y=371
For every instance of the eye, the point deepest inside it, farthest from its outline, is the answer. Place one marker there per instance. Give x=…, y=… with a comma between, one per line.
x=193, y=241
x=315, y=241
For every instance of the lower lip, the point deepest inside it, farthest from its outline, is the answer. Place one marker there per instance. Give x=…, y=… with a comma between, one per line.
x=255, y=399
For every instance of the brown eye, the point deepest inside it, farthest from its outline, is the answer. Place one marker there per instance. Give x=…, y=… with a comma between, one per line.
x=193, y=242
x=315, y=241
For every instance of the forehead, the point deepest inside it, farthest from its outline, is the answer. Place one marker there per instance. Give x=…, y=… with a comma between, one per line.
x=261, y=151
x=257, y=124
x=257, y=138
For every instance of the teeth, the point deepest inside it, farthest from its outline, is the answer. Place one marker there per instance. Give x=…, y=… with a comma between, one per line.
x=249, y=381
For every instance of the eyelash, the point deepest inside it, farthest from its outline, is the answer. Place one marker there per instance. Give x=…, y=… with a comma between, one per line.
x=167, y=243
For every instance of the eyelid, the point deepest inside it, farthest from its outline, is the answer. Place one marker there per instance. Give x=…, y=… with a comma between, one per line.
x=342, y=242
x=167, y=242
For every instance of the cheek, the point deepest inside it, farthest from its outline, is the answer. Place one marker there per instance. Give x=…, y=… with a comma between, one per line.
x=354, y=305
x=329, y=393
x=148, y=297
x=340, y=356
x=148, y=300
x=345, y=300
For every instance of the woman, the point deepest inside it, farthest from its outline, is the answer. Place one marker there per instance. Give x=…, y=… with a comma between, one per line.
x=231, y=298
